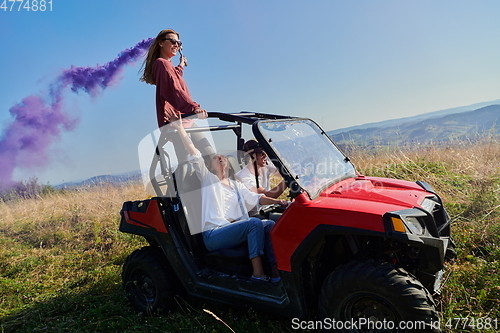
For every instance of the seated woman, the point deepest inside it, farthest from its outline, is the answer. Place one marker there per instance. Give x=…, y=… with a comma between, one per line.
x=225, y=221
x=256, y=175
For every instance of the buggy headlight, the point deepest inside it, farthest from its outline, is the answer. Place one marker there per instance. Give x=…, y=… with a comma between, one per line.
x=414, y=225
x=428, y=205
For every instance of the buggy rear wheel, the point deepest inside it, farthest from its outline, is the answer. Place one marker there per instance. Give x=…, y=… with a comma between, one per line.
x=149, y=282
x=370, y=296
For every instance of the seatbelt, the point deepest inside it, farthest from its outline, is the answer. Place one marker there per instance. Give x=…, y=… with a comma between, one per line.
x=240, y=201
x=256, y=171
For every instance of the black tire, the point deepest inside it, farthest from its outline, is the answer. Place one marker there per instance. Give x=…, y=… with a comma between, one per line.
x=378, y=292
x=149, y=282
x=451, y=251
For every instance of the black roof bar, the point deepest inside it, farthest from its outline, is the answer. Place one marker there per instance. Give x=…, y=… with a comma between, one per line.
x=212, y=128
x=245, y=117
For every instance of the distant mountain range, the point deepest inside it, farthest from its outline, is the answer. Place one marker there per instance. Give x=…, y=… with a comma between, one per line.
x=431, y=128
x=412, y=119
x=103, y=179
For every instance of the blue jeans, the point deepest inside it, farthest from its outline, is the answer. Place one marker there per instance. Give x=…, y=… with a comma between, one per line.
x=254, y=231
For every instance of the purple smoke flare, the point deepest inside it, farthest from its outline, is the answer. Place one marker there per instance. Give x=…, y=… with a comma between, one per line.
x=38, y=122
x=89, y=79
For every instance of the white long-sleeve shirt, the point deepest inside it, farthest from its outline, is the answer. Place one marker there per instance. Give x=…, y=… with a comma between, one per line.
x=247, y=177
x=220, y=203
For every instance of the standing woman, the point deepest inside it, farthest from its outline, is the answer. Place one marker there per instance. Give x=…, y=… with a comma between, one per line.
x=172, y=94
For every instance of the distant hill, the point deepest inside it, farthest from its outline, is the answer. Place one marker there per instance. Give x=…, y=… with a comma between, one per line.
x=463, y=125
x=103, y=179
x=417, y=118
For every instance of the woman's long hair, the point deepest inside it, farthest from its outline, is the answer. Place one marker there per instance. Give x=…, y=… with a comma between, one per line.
x=152, y=55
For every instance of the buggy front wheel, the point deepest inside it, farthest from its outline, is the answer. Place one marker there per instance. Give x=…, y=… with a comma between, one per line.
x=369, y=296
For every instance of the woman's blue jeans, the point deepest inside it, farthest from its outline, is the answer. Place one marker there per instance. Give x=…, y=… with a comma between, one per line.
x=254, y=231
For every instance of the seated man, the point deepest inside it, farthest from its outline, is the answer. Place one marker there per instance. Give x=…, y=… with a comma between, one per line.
x=259, y=182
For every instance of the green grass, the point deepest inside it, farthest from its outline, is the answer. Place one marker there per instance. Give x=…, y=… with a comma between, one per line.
x=61, y=253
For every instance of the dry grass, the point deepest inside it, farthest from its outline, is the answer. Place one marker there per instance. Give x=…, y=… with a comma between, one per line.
x=67, y=218
x=62, y=243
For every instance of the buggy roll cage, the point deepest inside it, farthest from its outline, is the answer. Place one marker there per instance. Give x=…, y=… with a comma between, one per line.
x=162, y=158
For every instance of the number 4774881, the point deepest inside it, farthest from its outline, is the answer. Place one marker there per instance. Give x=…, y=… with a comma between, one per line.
x=26, y=5
x=473, y=323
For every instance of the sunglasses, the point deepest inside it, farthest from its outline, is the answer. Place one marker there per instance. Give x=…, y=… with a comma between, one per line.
x=262, y=153
x=173, y=41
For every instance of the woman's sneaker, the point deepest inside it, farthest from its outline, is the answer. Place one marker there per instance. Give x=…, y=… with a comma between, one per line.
x=263, y=278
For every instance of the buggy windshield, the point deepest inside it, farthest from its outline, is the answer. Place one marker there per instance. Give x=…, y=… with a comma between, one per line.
x=307, y=153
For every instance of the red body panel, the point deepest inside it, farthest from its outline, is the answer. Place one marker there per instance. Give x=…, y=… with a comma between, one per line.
x=151, y=218
x=356, y=203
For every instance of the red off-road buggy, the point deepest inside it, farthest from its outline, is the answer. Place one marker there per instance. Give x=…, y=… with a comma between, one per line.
x=354, y=248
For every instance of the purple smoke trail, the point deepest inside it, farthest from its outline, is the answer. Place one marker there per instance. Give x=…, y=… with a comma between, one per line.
x=89, y=79
x=38, y=123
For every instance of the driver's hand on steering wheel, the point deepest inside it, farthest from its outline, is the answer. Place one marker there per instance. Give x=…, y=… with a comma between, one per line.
x=283, y=203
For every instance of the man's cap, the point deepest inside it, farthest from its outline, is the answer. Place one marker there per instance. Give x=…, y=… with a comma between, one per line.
x=252, y=147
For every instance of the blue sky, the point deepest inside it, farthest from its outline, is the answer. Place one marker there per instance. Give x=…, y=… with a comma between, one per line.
x=341, y=63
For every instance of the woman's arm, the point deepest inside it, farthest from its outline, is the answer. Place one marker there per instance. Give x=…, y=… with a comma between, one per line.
x=271, y=201
x=275, y=191
x=250, y=196
x=171, y=86
x=196, y=157
x=176, y=122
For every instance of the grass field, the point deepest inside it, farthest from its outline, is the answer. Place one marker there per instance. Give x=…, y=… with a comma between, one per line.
x=61, y=252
